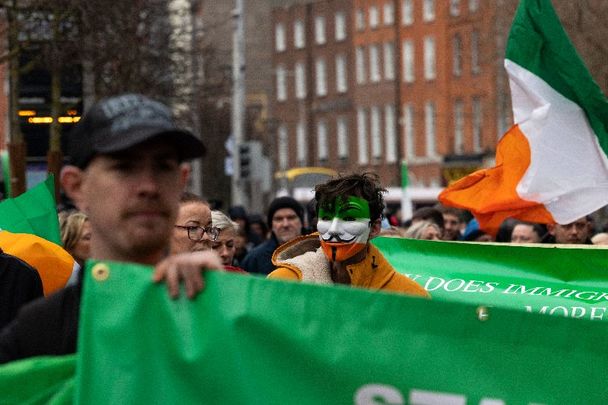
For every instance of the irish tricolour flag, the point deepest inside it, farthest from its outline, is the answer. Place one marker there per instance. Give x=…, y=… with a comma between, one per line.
x=552, y=165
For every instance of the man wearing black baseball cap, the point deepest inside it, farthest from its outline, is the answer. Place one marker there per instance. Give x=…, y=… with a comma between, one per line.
x=127, y=174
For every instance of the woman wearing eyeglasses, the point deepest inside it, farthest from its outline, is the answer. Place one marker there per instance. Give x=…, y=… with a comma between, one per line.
x=192, y=230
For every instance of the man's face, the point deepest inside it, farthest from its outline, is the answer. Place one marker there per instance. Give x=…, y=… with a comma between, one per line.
x=192, y=213
x=572, y=233
x=451, y=227
x=131, y=199
x=344, y=227
x=286, y=225
x=524, y=233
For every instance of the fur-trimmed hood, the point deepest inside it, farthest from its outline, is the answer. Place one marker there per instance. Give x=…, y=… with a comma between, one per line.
x=304, y=256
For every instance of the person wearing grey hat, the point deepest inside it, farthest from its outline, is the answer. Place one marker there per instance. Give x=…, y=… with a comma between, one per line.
x=126, y=174
x=285, y=219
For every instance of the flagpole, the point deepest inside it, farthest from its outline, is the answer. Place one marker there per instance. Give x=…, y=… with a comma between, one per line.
x=407, y=210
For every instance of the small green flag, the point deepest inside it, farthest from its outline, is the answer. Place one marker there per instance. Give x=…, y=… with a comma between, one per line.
x=404, y=174
x=34, y=212
x=6, y=172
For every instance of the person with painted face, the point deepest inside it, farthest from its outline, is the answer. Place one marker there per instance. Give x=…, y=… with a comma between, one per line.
x=349, y=213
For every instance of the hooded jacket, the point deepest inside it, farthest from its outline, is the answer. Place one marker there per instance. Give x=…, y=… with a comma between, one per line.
x=303, y=259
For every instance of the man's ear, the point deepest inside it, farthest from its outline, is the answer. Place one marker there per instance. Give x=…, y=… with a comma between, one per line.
x=71, y=178
x=551, y=229
x=376, y=227
x=185, y=171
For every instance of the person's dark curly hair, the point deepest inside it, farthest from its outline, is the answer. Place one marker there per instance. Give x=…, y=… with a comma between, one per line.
x=364, y=185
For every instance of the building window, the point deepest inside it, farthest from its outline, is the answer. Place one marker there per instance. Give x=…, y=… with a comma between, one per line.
x=389, y=60
x=340, y=26
x=408, y=61
x=390, y=131
x=388, y=13
x=281, y=83
x=321, y=76
x=429, y=127
x=341, y=79
x=373, y=17
x=407, y=12
x=429, y=58
x=458, y=127
x=360, y=19
x=454, y=8
x=299, y=37
x=320, y=30
x=302, y=152
x=283, y=147
x=428, y=10
x=475, y=68
x=279, y=37
x=360, y=64
x=374, y=63
x=457, y=55
x=322, y=140
x=342, y=137
x=362, y=136
x=300, y=76
x=477, y=123
x=376, y=133
x=473, y=5
x=408, y=131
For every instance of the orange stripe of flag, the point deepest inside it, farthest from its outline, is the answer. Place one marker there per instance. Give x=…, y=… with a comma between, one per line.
x=490, y=194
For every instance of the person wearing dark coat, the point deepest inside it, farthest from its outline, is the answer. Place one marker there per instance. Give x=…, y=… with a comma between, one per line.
x=20, y=283
x=285, y=219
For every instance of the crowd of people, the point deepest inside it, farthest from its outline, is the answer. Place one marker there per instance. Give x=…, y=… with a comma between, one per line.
x=452, y=224
x=126, y=177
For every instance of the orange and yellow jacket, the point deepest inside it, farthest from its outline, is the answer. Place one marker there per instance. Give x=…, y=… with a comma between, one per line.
x=303, y=259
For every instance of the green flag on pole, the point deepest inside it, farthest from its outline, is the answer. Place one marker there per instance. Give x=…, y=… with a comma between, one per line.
x=404, y=174
x=33, y=212
x=6, y=172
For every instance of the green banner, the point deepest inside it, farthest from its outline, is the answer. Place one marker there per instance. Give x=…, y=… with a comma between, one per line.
x=40, y=380
x=543, y=279
x=248, y=340
x=33, y=212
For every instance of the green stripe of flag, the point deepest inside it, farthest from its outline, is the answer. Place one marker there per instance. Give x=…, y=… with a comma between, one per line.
x=33, y=212
x=538, y=42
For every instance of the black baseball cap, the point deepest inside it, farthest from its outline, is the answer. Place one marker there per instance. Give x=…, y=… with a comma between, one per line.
x=117, y=123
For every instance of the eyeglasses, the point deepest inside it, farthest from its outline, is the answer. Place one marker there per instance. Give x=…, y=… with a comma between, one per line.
x=195, y=233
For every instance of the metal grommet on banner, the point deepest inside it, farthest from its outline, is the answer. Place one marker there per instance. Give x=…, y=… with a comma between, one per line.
x=483, y=313
x=100, y=272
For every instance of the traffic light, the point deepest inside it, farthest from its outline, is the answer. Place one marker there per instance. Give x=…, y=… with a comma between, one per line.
x=245, y=159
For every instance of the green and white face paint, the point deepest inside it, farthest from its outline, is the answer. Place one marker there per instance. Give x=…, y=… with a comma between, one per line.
x=344, y=227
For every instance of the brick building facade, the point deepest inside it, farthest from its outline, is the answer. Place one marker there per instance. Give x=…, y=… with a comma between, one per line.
x=425, y=84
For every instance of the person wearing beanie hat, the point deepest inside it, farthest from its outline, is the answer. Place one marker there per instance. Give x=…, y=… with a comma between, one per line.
x=349, y=212
x=281, y=203
x=285, y=219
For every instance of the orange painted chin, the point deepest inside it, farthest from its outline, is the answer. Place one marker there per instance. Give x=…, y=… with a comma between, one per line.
x=343, y=251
